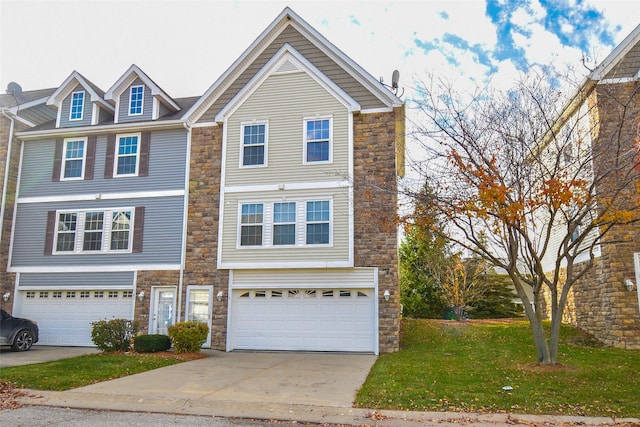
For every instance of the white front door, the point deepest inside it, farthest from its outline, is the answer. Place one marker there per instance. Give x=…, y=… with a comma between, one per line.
x=164, y=310
x=199, y=299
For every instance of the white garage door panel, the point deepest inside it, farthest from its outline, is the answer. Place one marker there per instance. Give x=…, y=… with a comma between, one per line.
x=66, y=321
x=313, y=320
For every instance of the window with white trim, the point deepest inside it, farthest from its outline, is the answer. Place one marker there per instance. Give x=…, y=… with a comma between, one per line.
x=317, y=140
x=318, y=217
x=254, y=144
x=94, y=231
x=284, y=223
x=251, y=224
x=76, y=111
x=127, y=155
x=136, y=100
x=295, y=223
x=73, y=158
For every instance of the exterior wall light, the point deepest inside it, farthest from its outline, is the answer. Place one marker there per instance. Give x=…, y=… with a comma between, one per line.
x=219, y=295
x=5, y=296
x=386, y=295
x=628, y=283
x=141, y=296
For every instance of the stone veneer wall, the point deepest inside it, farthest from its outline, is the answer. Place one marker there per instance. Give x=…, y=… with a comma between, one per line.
x=144, y=281
x=600, y=304
x=7, y=280
x=202, y=226
x=375, y=203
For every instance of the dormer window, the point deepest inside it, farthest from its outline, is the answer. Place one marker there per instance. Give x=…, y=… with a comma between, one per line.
x=77, y=106
x=136, y=97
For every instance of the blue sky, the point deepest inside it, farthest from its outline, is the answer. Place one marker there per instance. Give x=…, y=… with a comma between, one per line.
x=186, y=45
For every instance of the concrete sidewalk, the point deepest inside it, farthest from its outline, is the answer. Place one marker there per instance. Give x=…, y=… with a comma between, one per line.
x=305, y=387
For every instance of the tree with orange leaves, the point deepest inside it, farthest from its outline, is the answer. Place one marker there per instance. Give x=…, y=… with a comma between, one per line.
x=522, y=179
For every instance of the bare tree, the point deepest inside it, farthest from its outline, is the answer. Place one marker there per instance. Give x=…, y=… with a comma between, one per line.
x=523, y=180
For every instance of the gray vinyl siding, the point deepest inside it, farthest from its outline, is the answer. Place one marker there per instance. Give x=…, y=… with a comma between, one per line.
x=338, y=252
x=161, y=243
x=65, y=109
x=163, y=110
x=101, y=280
x=285, y=100
x=330, y=68
x=167, y=166
x=38, y=114
x=147, y=105
x=105, y=116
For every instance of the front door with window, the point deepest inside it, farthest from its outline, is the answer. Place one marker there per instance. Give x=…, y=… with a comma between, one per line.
x=164, y=309
x=199, y=299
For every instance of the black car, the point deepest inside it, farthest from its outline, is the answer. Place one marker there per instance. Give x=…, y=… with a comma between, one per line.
x=19, y=333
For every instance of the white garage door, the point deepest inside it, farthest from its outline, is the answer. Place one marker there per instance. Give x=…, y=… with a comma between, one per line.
x=64, y=317
x=308, y=320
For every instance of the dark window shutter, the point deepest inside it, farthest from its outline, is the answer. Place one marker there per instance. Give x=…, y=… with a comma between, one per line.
x=138, y=229
x=108, y=162
x=57, y=160
x=145, y=146
x=91, y=157
x=48, y=240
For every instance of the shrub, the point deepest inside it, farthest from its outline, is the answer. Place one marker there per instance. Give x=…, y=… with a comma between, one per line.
x=151, y=343
x=188, y=337
x=113, y=335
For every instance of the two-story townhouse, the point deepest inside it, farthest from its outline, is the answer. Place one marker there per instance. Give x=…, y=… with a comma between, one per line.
x=604, y=115
x=266, y=207
x=99, y=207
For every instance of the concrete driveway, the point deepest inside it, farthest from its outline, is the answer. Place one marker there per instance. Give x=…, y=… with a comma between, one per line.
x=255, y=378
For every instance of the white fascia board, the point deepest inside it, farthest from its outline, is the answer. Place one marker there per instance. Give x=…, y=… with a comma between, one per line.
x=129, y=77
x=288, y=186
x=93, y=268
x=101, y=196
x=96, y=130
x=287, y=54
x=252, y=265
x=616, y=54
x=15, y=109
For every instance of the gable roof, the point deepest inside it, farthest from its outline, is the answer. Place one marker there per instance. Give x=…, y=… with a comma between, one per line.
x=289, y=27
x=75, y=78
x=129, y=77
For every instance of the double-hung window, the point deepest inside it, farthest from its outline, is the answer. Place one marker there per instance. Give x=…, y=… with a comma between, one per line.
x=251, y=224
x=136, y=100
x=284, y=223
x=317, y=140
x=254, y=144
x=73, y=158
x=318, y=218
x=127, y=158
x=77, y=106
x=94, y=231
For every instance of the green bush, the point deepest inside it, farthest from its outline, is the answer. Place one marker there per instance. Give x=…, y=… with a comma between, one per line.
x=113, y=335
x=151, y=343
x=188, y=337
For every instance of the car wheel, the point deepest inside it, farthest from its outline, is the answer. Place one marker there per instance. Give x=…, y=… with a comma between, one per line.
x=23, y=340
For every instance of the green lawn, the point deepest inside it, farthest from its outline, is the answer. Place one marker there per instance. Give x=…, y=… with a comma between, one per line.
x=463, y=366
x=79, y=371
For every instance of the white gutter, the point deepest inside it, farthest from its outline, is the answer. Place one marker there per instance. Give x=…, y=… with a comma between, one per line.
x=5, y=182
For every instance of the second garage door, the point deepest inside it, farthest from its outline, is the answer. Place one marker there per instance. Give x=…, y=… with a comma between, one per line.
x=303, y=319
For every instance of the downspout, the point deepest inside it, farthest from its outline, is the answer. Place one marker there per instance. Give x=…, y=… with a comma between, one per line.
x=5, y=182
x=185, y=218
